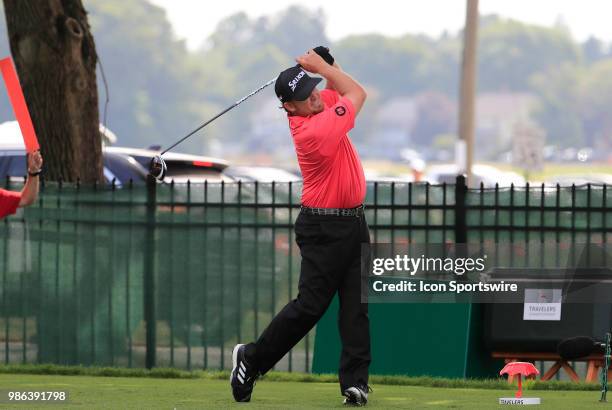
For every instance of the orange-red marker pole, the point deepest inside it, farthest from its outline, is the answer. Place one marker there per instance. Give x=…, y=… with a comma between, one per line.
x=20, y=108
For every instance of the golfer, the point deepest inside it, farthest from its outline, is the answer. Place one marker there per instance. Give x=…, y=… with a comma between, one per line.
x=10, y=200
x=330, y=228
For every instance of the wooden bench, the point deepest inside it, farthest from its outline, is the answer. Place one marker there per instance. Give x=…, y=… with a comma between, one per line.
x=594, y=363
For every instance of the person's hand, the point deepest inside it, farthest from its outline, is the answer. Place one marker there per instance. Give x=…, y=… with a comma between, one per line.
x=35, y=162
x=312, y=62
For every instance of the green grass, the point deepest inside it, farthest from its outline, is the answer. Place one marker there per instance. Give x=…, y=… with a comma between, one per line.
x=167, y=393
x=168, y=373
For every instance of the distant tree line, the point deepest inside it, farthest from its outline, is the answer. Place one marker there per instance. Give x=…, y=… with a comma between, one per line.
x=159, y=90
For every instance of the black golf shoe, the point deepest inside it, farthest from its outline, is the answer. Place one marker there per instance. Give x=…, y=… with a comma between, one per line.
x=243, y=375
x=356, y=395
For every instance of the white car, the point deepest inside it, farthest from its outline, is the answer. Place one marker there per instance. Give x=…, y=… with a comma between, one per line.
x=580, y=179
x=485, y=174
x=261, y=174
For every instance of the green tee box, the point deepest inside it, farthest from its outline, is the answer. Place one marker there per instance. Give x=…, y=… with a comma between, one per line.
x=415, y=339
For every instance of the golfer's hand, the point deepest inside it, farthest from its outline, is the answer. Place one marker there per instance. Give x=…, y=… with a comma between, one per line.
x=312, y=62
x=35, y=162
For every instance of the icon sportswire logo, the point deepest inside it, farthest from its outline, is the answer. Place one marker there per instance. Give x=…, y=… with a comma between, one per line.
x=293, y=83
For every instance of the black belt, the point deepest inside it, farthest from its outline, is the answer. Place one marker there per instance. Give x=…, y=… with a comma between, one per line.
x=357, y=211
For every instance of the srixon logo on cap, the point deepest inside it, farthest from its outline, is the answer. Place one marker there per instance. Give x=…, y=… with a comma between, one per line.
x=293, y=83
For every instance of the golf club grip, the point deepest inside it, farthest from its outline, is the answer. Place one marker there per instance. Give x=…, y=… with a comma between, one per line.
x=240, y=101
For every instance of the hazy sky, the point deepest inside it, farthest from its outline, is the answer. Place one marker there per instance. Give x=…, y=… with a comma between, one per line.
x=194, y=20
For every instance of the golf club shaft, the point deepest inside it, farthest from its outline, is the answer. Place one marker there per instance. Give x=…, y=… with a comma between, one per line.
x=240, y=101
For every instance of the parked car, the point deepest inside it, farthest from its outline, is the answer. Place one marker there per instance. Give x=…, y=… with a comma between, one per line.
x=264, y=176
x=580, y=179
x=261, y=174
x=117, y=167
x=485, y=174
x=123, y=168
x=181, y=167
x=375, y=176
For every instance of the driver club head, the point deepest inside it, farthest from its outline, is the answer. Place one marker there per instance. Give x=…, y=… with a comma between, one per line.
x=158, y=168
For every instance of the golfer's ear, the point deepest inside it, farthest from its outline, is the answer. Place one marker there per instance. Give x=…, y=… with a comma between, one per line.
x=289, y=106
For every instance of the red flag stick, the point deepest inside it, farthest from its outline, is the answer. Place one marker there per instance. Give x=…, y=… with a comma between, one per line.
x=19, y=105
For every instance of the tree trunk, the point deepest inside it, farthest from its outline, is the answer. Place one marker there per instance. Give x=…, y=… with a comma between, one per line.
x=55, y=56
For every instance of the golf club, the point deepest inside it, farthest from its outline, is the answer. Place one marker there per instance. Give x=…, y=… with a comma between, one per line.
x=158, y=167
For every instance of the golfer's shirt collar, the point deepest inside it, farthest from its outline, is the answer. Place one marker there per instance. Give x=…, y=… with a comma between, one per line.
x=296, y=122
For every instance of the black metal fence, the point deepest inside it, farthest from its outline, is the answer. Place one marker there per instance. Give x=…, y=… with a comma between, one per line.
x=174, y=275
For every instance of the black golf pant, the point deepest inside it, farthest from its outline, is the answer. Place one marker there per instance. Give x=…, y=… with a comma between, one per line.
x=331, y=262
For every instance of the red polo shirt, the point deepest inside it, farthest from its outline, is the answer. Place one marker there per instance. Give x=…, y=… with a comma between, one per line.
x=9, y=201
x=331, y=169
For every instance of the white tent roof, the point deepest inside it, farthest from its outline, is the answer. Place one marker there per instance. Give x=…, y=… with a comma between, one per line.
x=11, y=137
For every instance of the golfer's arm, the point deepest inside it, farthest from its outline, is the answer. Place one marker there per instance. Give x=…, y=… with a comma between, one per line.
x=345, y=86
x=330, y=84
x=29, y=191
